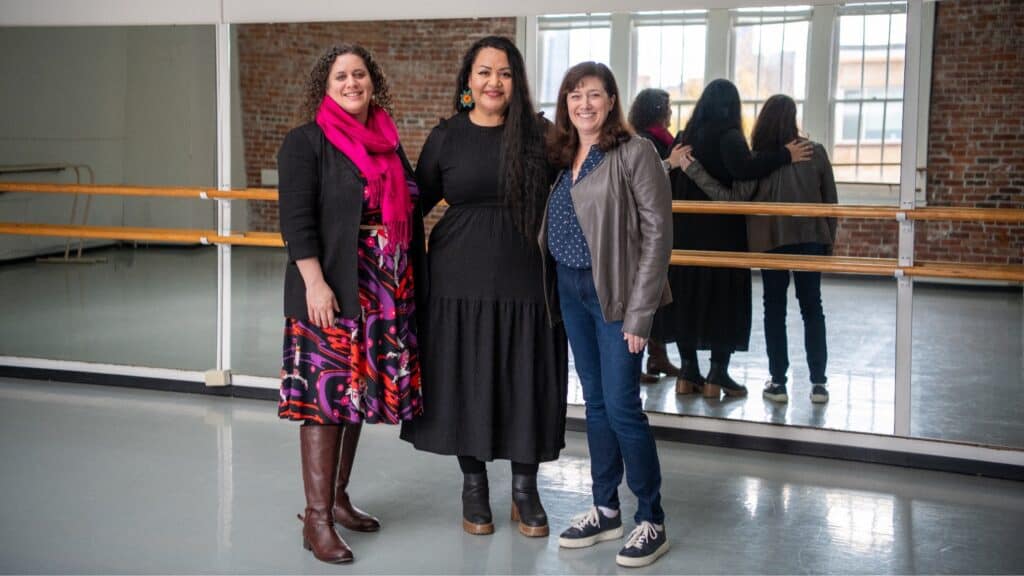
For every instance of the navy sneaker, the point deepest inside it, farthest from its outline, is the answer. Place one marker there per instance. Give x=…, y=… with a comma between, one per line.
x=775, y=392
x=646, y=544
x=819, y=394
x=590, y=528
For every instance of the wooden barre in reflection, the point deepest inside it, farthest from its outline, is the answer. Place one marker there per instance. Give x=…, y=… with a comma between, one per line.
x=926, y=213
x=144, y=191
x=848, y=265
x=170, y=235
x=837, y=264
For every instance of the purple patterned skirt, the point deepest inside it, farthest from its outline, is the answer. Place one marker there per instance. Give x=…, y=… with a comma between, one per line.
x=363, y=369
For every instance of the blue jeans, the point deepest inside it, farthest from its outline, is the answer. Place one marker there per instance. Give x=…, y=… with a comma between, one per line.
x=618, y=435
x=808, y=294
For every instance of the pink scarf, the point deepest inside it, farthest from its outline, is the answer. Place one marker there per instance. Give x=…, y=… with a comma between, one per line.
x=374, y=150
x=662, y=134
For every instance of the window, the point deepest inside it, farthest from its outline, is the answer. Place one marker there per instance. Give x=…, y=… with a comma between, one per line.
x=867, y=95
x=564, y=41
x=849, y=97
x=669, y=53
x=769, y=56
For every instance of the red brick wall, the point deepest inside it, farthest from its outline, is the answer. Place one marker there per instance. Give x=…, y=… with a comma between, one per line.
x=419, y=57
x=976, y=129
x=867, y=238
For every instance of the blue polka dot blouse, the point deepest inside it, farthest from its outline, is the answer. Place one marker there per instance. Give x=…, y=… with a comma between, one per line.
x=565, y=237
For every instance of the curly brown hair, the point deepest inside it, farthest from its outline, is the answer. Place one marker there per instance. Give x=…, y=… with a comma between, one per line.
x=316, y=84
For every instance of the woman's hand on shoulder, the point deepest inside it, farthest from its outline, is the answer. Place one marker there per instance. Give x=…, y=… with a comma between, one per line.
x=321, y=305
x=800, y=150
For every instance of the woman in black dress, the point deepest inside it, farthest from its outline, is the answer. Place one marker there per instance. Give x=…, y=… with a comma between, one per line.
x=495, y=371
x=711, y=309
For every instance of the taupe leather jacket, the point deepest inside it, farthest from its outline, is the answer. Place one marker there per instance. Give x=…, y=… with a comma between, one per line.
x=624, y=207
x=811, y=182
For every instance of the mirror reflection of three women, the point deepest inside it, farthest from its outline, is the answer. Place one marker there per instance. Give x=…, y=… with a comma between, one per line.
x=466, y=346
x=711, y=306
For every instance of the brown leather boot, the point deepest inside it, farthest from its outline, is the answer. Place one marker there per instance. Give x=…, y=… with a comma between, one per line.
x=319, y=447
x=344, y=512
x=657, y=360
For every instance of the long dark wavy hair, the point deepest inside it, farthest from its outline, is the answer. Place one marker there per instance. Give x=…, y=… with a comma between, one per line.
x=522, y=175
x=564, y=139
x=776, y=124
x=718, y=109
x=650, y=108
x=316, y=84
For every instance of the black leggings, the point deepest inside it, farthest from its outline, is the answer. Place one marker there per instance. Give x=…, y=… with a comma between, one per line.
x=470, y=465
x=718, y=355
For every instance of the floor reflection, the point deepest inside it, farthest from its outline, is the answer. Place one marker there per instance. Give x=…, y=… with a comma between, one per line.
x=152, y=482
x=157, y=307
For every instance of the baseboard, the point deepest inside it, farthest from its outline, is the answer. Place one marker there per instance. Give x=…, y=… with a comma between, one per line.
x=818, y=450
x=124, y=381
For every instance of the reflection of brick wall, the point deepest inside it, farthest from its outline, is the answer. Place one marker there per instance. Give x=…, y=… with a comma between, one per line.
x=976, y=138
x=976, y=130
x=420, y=58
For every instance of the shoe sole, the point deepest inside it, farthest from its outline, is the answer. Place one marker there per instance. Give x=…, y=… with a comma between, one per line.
x=477, y=529
x=782, y=398
x=819, y=399
x=526, y=529
x=613, y=534
x=684, y=386
x=634, y=562
x=533, y=531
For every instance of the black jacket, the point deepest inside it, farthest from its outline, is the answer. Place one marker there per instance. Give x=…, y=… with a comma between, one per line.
x=320, y=203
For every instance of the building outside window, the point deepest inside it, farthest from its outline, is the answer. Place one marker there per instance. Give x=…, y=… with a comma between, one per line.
x=769, y=56
x=851, y=98
x=669, y=52
x=867, y=102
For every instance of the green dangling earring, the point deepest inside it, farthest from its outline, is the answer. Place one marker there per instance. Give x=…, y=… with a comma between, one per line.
x=466, y=99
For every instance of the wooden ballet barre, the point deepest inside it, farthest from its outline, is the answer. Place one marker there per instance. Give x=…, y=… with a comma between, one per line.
x=925, y=213
x=783, y=209
x=845, y=264
x=998, y=272
x=713, y=259
x=144, y=191
x=170, y=235
x=848, y=265
x=947, y=213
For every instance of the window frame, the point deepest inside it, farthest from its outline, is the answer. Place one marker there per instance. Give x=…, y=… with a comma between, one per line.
x=864, y=10
x=641, y=19
x=818, y=114
x=771, y=15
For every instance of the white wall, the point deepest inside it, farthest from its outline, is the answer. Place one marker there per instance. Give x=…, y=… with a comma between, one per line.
x=136, y=104
x=133, y=12
x=170, y=123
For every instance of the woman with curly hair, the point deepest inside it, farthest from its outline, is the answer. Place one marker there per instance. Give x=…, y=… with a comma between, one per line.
x=354, y=234
x=495, y=370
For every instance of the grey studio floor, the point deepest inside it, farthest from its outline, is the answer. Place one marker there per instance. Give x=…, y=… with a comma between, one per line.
x=116, y=480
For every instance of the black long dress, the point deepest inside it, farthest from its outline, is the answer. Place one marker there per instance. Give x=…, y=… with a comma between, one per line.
x=711, y=307
x=495, y=372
